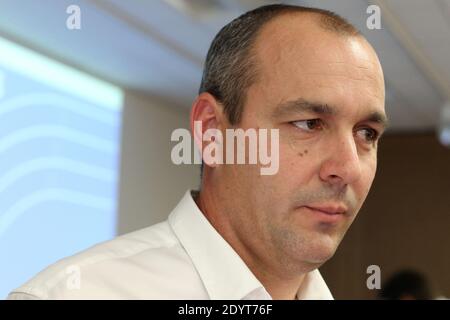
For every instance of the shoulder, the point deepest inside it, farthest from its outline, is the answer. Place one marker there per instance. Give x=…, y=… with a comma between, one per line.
x=136, y=265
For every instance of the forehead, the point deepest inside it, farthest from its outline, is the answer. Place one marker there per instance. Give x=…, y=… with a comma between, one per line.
x=298, y=58
x=299, y=39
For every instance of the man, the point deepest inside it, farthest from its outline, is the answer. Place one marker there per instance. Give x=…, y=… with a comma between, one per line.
x=310, y=75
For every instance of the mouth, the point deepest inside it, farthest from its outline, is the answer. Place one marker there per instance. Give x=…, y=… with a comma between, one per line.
x=329, y=213
x=330, y=209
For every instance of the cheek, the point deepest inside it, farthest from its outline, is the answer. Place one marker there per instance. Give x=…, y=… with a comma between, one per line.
x=297, y=165
x=368, y=170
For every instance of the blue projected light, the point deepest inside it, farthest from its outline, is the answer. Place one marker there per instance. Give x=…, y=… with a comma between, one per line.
x=59, y=158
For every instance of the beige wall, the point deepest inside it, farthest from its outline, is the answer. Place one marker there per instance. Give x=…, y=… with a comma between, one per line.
x=150, y=184
x=405, y=221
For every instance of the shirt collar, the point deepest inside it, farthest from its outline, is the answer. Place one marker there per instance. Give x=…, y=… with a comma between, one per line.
x=222, y=271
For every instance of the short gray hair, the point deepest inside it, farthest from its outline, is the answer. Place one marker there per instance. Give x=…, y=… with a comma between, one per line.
x=230, y=67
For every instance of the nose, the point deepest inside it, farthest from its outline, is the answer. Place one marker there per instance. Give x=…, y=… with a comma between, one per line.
x=341, y=165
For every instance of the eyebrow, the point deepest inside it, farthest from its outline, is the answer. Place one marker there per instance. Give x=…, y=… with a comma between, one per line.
x=379, y=118
x=302, y=106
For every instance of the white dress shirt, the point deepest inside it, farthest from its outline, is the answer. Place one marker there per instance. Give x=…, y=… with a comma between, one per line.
x=183, y=257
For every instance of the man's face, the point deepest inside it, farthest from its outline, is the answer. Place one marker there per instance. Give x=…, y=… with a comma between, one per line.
x=325, y=94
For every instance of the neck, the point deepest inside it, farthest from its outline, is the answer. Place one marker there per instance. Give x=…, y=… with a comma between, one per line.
x=279, y=284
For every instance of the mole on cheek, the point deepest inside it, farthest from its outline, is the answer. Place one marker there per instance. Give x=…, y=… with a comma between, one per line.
x=303, y=153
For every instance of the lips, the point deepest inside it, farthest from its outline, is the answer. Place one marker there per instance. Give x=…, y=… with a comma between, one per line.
x=328, y=214
x=330, y=209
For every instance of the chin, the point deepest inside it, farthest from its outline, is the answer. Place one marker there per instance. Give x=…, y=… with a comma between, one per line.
x=322, y=249
x=300, y=245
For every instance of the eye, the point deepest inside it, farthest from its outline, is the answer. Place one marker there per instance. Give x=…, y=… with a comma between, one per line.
x=368, y=134
x=308, y=125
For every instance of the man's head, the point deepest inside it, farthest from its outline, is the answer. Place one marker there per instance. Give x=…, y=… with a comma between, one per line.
x=312, y=76
x=231, y=66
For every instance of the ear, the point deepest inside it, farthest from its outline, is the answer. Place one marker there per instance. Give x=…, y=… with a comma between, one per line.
x=206, y=113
